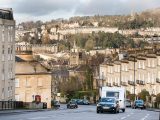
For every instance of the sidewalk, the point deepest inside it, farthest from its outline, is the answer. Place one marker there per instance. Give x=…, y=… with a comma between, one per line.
x=153, y=109
x=22, y=111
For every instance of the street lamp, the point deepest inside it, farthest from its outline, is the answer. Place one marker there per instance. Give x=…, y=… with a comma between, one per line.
x=134, y=78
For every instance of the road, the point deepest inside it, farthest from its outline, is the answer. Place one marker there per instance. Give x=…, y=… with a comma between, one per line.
x=82, y=113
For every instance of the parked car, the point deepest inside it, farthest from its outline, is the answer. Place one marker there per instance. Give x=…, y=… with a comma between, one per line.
x=56, y=104
x=72, y=104
x=128, y=103
x=82, y=102
x=108, y=104
x=138, y=104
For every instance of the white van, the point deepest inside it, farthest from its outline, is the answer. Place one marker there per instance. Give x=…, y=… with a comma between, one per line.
x=117, y=92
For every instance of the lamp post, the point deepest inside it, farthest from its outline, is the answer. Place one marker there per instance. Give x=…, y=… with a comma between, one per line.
x=134, y=79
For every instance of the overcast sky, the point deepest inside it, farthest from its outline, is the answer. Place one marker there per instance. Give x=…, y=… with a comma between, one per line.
x=45, y=10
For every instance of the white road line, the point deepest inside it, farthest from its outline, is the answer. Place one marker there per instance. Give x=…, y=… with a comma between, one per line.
x=145, y=117
x=37, y=118
x=123, y=118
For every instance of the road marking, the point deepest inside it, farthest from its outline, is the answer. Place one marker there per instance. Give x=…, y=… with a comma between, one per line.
x=37, y=118
x=123, y=118
x=128, y=115
x=145, y=117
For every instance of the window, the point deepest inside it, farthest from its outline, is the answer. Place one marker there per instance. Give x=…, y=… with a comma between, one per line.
x=143, y=65
x=139, y=76
x=3, y=93
x=16, y=82
x=27, y=82
x=39, y=82
x=149, y=65
x=153, y=63
x=3, y=33
x=17, y=97
x=131, y=79
x=158, y=61
x=149, y=77
x=139, y=64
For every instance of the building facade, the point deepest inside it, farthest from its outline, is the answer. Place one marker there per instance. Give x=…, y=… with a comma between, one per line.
x=32, y=79
x=7, y=55
x=144, y=71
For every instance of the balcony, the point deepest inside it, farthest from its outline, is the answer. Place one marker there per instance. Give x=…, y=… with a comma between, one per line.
x=108, y=84
x=131, y=82
x=115, y=84
x=124, y=83
x=140, y=82
x=157, y=80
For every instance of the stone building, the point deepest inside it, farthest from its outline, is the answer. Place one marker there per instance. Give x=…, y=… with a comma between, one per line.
x=7, y=55
x=32, y=79
x=121, y=73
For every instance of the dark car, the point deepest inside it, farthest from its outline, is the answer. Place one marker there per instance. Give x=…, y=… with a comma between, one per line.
x=82, y=102
x=56, y=104
x=138, y=104
x=72, y=104
x=128, y=103
x=108, y=104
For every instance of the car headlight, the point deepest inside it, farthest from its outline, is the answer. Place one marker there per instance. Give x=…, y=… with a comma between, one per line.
x=114, y=105
x=98, y=105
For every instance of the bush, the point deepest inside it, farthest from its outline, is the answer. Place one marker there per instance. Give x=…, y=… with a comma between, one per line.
x=142, y=95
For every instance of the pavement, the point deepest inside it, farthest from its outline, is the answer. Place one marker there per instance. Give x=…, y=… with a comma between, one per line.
x=22, y=111
x=83, y=112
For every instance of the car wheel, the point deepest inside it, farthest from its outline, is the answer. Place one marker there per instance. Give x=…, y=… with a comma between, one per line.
x=123, y=110
x=97, y=111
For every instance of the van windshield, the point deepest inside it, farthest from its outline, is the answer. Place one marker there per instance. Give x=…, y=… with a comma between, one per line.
x=111, y=100
x=112, y=94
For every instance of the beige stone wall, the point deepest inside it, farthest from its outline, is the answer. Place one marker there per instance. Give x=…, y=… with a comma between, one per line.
x=28, y=86
x=147, y=70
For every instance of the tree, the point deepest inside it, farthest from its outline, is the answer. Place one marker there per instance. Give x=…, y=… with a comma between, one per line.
x=45, y=38
x=89, y=78
x=158, y=98
x=89, y=45
x=70, y=86
x=142, y=95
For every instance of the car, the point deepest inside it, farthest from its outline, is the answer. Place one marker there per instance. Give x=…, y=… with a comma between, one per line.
x=108, y=104
x=72, y=104
x=138, y=104
x=82, y=102
x=55, y=104
x=128, y=103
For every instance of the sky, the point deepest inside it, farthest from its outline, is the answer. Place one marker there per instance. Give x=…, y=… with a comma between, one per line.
x=46, y=10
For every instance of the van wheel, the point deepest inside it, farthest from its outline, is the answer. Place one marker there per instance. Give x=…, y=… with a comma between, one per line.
x=97, y=111
x=123, y=110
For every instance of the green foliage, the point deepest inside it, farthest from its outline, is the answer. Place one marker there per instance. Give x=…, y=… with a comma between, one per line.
x=101, y=40
x=131, y=97
x=142, y=95
x=158, y=98
x=89, y=78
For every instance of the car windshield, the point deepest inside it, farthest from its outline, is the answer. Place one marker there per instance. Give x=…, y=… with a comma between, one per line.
x=139, y=101
x=112, y=100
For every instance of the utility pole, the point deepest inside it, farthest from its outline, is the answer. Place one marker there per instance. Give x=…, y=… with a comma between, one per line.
x=134, y=79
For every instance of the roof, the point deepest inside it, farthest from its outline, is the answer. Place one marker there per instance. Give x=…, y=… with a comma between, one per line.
x=18, y=59
x=6, y=14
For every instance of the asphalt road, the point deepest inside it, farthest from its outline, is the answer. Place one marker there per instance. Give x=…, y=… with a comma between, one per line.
x=82, y=113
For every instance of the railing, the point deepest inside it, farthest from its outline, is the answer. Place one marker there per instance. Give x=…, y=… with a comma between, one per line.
x=124, y=83
x=6, y=105
x=131, y=82
x=140, y=82
x=115, y=84
x=9, y=105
